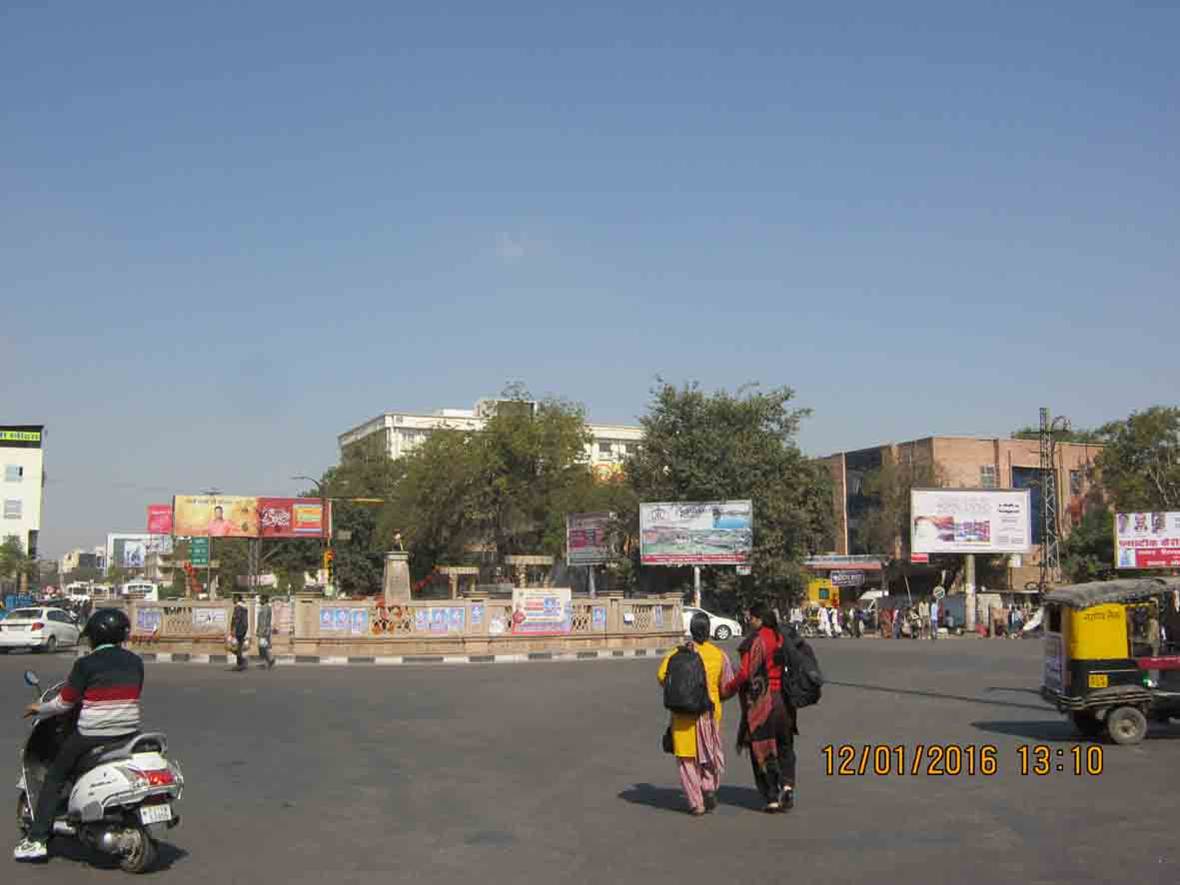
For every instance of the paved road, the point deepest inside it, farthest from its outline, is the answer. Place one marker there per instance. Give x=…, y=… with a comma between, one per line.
x=551, y=772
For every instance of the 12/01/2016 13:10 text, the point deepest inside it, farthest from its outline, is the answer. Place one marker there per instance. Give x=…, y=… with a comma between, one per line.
x=955, y=760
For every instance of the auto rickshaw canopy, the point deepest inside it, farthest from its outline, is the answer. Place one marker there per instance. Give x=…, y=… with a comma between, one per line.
x=1125, y=590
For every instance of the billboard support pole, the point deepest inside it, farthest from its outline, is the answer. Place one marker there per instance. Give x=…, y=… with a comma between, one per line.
x=969, y=592
x=209, y=571
x=593, y=593
x=696, y=586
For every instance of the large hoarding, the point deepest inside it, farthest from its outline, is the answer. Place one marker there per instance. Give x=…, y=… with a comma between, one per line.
x=541, y=611
x=130, y=550
x=159, y=519
x=1147, y=540
x=970, y=521
x=586, y=538
x=696, y=533
x=235, y=516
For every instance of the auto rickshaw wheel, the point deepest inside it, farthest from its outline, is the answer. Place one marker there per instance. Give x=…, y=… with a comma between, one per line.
x=1087, y=724
x=1126, y=725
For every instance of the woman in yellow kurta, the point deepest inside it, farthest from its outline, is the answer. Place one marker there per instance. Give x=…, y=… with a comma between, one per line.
x=696, y=738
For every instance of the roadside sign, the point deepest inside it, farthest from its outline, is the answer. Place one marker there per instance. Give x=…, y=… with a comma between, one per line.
x=919, y=557
x=744, y=570
x=198, y=551
x=939, y=592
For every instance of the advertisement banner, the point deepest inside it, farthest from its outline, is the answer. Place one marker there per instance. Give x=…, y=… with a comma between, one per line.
x=130, y=550
x=970, y=521
x=706, y=533
x=542, y=611
x=1147, y=540
x=215, y=516
x=209, y=620
x=586, y=538
x=159, y=519
x=847, y=579
x=148, y=620
x=290, y=518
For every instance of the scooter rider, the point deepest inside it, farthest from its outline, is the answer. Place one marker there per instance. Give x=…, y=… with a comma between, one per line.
x=107, y=682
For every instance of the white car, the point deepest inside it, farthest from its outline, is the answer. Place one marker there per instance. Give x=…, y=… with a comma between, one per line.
x=719, y=627
x=44, y=629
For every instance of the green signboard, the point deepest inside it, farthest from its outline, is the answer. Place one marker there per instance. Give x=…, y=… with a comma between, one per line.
x=198, y=551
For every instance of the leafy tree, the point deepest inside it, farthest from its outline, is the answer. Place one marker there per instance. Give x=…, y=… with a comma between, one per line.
x=1140, y=464
x=884, y=527
x=732, y=446
x=1087, y=554
x=1071, y=435
x=15, y=564
x=500, y=490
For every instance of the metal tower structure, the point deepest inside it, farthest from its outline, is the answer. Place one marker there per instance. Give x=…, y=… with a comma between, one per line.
x=1050, y=523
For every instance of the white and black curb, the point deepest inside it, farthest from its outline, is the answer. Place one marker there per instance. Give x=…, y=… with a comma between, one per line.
x=341, y=660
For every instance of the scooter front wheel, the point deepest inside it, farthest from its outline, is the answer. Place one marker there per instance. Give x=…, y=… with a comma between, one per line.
x=141, y=854
x=24, y=814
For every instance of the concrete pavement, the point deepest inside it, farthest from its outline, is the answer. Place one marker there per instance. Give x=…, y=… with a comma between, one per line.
x=552, y=772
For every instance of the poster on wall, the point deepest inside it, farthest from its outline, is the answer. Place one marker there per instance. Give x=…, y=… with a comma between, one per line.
x=1147, y=540
x=599, y=617
x=209, y=620
x=359, y=623
x=149, y=620
x=970, y=521
x=586, y=538
x=696, y=533
x=541, y=611
x=477, y=614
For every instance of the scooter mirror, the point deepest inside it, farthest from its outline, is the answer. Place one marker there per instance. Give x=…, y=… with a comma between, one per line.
x=31, y=679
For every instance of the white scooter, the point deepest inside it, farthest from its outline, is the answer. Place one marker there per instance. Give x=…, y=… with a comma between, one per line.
x=121, y=793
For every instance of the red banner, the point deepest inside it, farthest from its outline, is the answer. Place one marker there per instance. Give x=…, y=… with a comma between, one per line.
x=159, y=519
x=291, y=518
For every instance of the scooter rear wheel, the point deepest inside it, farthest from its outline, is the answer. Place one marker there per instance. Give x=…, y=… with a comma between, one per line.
x=142, y=856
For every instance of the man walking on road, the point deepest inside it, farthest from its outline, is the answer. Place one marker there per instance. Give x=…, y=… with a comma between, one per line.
x=263, y=631
x=924, y=616
x=239, y=626
x=934, y=620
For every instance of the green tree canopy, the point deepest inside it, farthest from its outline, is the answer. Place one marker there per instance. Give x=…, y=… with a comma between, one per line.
x=733, y=446
x=1140, y=465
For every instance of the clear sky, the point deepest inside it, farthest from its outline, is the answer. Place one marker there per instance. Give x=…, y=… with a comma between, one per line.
x=231, y=231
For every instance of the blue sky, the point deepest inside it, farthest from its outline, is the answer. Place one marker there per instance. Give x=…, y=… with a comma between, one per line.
x=232, y=231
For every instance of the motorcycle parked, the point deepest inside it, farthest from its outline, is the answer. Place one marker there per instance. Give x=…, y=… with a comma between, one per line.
x=121, y=794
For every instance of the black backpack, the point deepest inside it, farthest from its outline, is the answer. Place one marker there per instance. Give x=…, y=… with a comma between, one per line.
x=803, y=682
x=685, y=684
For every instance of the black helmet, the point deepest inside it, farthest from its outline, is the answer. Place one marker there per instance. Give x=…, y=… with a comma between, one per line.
x=107, y=626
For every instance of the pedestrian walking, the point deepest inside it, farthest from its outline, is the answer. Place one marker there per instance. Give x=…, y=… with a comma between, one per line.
x=768, y=727
x=239, y=626
x=934, y=611
x=898, y=616
x=263, y=631
x=696, y=737
x=924, y=618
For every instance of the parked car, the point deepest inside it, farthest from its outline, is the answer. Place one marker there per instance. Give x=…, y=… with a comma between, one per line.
x=38, y=629
x=719, y=628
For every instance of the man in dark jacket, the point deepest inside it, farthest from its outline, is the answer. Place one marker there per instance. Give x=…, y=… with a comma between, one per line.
x=239, y=626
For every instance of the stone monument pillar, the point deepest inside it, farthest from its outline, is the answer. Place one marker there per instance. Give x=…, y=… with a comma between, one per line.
x=397, y=577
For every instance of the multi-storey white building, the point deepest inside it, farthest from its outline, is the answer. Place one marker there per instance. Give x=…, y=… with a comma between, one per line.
x=22, y=483
x=398, y=433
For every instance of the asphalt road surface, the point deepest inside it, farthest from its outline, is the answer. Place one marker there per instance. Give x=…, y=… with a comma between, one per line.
x=552, y=773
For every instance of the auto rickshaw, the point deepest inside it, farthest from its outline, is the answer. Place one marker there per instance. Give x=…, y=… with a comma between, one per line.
x=1106, y=665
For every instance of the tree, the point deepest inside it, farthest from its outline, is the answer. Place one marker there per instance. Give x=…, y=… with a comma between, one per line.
x=1070, y=435
x=15, y=564
x=723, y=446
x=1087, y=554
x=500, y=490
x=1140, y=464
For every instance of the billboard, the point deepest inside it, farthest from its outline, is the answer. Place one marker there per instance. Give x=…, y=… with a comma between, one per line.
x=236, y=516
x=586, y=538
x=1147, y=540
x=130, y=550
x=970, y=521
x=159, y=519
x=291, y=518
x=541, y=611
x=704, y=533
x=217, y=516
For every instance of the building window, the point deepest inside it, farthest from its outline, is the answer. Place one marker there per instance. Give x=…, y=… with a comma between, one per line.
x=12, y=508
x=13, y=472
x=605, y=449
x=1075, y=483
x=987, y=476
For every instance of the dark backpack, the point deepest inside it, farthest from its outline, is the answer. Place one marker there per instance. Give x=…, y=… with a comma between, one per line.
x=685, y=685
x=803, y=682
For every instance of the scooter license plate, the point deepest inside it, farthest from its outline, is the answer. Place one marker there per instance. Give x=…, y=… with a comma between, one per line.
x=155, y=814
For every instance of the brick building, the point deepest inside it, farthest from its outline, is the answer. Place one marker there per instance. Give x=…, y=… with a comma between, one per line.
x=966, y=463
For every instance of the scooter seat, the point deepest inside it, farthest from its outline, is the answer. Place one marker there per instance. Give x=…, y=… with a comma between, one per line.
x=102, y=755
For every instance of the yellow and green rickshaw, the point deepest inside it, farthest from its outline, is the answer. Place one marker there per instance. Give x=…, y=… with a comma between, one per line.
x=1109, y=661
